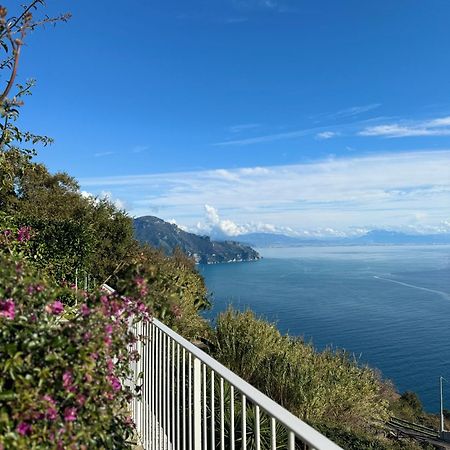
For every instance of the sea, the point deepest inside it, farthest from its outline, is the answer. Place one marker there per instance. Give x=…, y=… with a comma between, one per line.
x=387, y=305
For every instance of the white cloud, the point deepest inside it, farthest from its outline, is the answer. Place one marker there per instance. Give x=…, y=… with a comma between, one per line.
x=269, y=137
x=102, y=154
x=326, y=135
x=435, y=127
x=216, y=226
x=254, y=171
x=256, y=4
x=354, y=111
x=243, y=127
x=384, y=190
x=95, y=199
x=235, y=20
x=117, y=202
x=174, y=222
x=86, y=194
x=346, y=113
x=140, y=148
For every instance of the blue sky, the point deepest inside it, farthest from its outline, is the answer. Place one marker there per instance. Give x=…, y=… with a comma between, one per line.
x=309, y=117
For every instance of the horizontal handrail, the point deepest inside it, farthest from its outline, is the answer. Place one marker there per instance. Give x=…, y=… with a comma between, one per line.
x=301, y=429
x=295, y=426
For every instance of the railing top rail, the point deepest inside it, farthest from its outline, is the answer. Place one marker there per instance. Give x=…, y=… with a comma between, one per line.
x=302, y=430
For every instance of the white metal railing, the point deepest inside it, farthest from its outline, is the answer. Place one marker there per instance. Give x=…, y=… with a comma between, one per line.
x=189, y=401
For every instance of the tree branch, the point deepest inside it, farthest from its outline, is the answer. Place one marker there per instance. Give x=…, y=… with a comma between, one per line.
x=9, y=28
x=14, y=71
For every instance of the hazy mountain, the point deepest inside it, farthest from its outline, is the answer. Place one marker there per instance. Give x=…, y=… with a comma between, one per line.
x=272, y=240
x=167, y=236
x=395, y=237
x=374, y=237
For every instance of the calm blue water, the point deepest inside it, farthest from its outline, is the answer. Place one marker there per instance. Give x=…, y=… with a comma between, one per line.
x=388, y=305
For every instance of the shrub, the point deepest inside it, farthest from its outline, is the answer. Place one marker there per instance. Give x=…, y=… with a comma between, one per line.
x=317, y=387
x=63, y=370
x=170, y=285
x=408, y=406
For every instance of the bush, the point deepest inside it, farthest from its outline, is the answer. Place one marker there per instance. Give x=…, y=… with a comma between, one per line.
x=62, y=370
x=408, y=406
x=170, y=285
x=317, y=387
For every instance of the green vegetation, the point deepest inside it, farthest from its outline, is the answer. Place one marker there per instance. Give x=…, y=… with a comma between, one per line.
x=63, y=350
x=61, y=367
x=327, y=386
x=346, y=401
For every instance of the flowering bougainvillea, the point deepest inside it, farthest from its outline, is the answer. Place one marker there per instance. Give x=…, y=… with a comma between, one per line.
x=63, y=370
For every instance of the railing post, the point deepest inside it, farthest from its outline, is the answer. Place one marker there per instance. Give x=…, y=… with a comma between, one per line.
x=197, y=405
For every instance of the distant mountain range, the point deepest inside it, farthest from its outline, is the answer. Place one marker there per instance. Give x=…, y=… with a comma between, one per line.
x=167, y=236
x=375, y=237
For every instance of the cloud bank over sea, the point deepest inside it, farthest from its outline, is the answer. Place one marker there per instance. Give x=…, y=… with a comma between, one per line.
x=407, y=191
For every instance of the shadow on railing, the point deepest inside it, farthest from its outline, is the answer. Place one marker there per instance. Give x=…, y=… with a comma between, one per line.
x=189, y=401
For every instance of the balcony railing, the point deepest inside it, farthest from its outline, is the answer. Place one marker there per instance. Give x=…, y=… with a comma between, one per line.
x=189, y=401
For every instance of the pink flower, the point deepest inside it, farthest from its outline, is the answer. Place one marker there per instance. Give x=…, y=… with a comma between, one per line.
x=110, y=365
x=7, y=309
x=85, y=311
x=23, y=428
x=51, y=412
x=87, y=336
x=55, y=308
x=70, y=414
x=115, y=383
x=68, y=381
x=141, y=307
x=81, y=399
x=23, y=234
x=108, y=330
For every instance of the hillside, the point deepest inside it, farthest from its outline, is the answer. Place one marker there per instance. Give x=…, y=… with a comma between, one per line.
x=167, y=236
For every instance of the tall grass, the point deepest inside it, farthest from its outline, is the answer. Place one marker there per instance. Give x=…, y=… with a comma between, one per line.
x=319, y=387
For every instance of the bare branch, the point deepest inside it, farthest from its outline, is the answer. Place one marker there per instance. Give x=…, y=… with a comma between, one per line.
x=10, y=27
x=18, y=45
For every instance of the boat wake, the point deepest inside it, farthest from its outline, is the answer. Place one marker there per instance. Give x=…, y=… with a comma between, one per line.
x=413, y=286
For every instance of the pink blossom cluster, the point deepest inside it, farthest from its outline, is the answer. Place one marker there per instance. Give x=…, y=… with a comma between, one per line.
x=55, y=308
x=23, y=235
x=7, y=309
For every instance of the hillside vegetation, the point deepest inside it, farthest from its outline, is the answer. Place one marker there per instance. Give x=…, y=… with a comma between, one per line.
x=348, y=402
x=65, y=346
